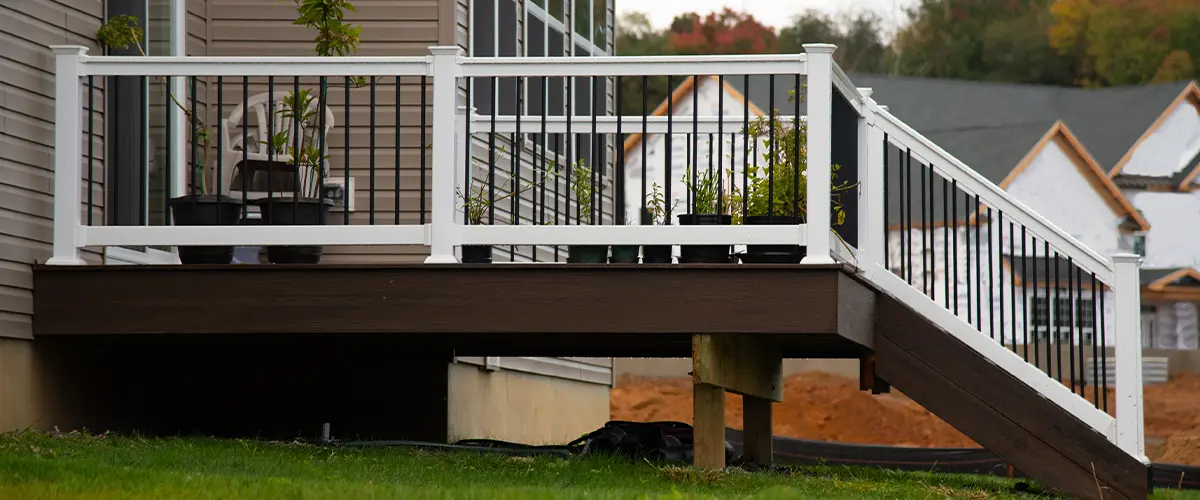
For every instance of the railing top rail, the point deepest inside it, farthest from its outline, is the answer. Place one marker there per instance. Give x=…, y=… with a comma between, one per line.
x=253, y=66
x=842, y=82
x=995, y=197
x=606, y=66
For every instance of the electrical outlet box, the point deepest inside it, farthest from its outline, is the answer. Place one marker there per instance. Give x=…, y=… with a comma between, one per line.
x=341, y=192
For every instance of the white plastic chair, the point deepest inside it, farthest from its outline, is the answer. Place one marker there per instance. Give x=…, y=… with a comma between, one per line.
x=257, y=134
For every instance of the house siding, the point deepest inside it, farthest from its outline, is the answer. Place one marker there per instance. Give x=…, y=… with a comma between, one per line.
x=390, y=28
x=27, y=29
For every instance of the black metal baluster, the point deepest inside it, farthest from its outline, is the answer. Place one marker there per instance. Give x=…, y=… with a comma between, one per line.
x=296, y=155
x=1000, y=257
x=721, y=142
x=746, y=150
x=967, y=251
x=518, y=147
x=1012, y=281
x=396, y=160
x=1071, y=318
x=424, y=151
x=170, y=157
x=771, y=147
x=371, y=153
x=1025, y=297
x=218, y=179
x=695, y=148
x=619, y=198
x=887, y=254
x=925, y=229
x=796, y=126
x=670, y=148
x=468, y=177
x=91, y=154
x=544, y=140
x=194, y=187
x=1028, y=278
x=978, y=271
x=491, y=178
x=946, y=221
x=1057, y=325
x=1051, y=281
x=954, y=220
x=246, y=171
x=645, y=142
x=1103, y=352
x=321, y=146
x=1095, y=348
x=346, y=161
x=991, y=281
x=905, y=222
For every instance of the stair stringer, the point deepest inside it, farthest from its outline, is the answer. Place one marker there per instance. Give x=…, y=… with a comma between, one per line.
x=953, y=370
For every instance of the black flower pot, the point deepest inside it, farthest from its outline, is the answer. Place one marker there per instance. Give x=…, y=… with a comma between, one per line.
x=624, y=254
x=773, y=254
x=294, y=212
x=705, y=254
x=587, y=254
x=206, y=210
x=656, y=254
x=476, y=254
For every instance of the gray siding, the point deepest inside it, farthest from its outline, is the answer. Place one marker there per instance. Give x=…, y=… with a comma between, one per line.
x=27, y=29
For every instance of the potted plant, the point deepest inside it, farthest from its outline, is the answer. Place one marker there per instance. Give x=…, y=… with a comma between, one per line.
x=585, y=194
x=475, y=205
x=710, y=207
x=198, y=207
x=304, y=205
x=777, y=193
x=655, y=214
x=624, y=254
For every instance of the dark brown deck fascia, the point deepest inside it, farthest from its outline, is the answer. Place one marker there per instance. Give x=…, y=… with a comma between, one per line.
x=477, y=299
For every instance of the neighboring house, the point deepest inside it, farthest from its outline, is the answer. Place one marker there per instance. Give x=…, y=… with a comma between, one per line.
x=560, y=397
x=1116, y=168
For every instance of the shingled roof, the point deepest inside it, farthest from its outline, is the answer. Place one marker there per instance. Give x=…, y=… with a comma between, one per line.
x=990, y=125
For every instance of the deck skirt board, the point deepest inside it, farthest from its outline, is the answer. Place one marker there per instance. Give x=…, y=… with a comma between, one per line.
x=997, y=410
x=528, y=309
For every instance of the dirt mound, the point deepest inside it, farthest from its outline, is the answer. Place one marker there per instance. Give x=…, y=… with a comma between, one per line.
x=815, y=406
x=831, y=408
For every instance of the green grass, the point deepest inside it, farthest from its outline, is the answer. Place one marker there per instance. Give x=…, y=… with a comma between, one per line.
x=73, y=466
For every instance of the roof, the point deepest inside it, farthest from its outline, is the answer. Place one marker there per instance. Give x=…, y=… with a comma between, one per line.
x=1189, y=92
x=1174, y=241
x=1149, y=276
x=982, y=115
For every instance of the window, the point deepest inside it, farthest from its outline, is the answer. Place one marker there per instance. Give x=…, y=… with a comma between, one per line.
x=1082, y=323
x=1139, y=244
x=1149, y=322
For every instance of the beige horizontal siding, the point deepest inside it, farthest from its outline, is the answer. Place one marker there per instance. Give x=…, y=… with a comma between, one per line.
x=27, y=29
x=390, y=28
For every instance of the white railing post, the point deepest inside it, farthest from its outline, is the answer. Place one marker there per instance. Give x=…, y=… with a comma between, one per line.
x=444, y=230
x=870, y=178
x=68, y=134
x=819, y=146
x=1128, y=338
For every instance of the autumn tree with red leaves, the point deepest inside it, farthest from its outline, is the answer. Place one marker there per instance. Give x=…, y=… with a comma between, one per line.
x=725, y=32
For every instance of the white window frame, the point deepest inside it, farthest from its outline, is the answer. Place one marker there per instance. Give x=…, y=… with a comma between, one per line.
x=1051, y=327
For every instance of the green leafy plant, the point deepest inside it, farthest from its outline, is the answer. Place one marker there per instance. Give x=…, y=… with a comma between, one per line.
x=583, y=190
x=656, y=207
x=780, y=188
x=475, y=200
x=300, y=109
x=710, y=196
x=124, y=31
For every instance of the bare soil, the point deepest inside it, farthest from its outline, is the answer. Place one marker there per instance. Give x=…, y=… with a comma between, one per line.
x=827, y=407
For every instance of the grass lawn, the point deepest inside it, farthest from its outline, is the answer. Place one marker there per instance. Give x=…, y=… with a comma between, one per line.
x=72, y=466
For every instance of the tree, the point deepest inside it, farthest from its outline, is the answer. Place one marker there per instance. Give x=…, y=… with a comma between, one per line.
x=859, y=38
x=1129, y=41
x=1002, y=40
x=637, y=37
x=725, y=32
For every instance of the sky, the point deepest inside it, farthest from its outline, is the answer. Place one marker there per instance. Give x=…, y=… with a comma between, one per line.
x=775, y=13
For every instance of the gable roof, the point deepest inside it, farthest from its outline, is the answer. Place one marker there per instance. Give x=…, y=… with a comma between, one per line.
x=1189, y=92
x=1160, y=279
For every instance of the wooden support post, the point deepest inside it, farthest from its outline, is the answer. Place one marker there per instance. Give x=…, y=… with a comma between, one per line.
x=708, y=408
x=743, y=364
x=756, y=422
x=868, y=379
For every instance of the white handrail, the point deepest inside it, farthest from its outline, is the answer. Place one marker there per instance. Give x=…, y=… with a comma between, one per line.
x=993, y=196
x=253, y=66
x=608, y=66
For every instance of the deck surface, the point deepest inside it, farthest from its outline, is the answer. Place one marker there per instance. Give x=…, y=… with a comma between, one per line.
x=497, y=310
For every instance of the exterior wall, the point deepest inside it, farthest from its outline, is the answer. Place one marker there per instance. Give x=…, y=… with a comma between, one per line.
x=519, y=407
x=1172, y=241
x=1167, y=150
x=1054, y=186
x=19, y=407
x=27, y=29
